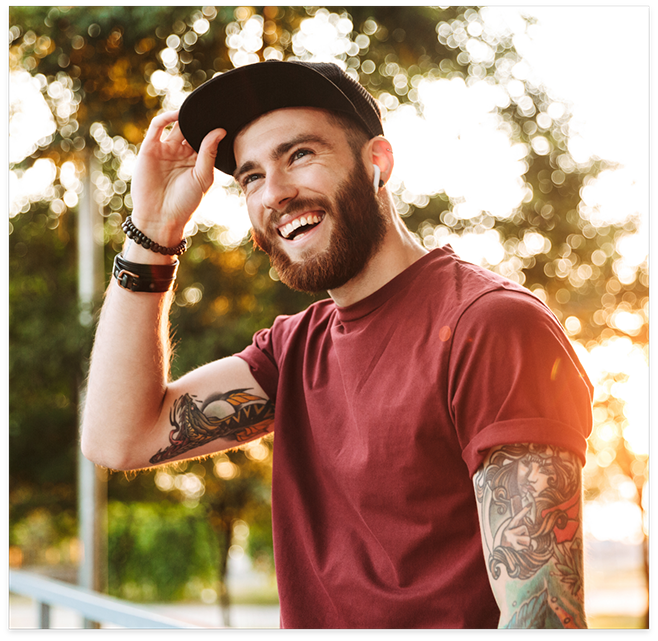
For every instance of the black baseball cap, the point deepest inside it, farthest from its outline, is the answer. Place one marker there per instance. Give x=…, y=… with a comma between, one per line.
x=234, y=99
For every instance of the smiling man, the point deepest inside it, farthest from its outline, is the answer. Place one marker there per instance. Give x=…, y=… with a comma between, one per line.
x=430, y=416
x=319, y=223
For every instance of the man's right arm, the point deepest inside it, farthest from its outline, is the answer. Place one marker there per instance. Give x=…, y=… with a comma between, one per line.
x=134, y=417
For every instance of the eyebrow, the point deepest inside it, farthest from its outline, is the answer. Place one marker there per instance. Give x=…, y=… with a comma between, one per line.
x=281, y=150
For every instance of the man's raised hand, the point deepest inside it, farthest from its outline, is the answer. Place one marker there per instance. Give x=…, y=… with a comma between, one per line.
x=170, y=179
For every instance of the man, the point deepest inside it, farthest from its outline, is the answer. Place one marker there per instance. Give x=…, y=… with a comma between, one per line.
x=421, y=375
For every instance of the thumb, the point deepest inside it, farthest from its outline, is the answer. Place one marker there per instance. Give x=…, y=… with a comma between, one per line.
x=205, y=162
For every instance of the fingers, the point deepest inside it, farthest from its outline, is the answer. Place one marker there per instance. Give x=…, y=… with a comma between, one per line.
x=203, y=170
x=524, y=541
x=174, y=135
x=518, y=518
x=205, y=162
x=158, y=125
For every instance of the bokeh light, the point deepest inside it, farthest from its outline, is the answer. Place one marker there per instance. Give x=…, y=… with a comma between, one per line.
x=452, y=145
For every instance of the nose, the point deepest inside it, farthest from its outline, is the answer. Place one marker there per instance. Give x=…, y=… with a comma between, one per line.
x=278, y=190
x=533, y=473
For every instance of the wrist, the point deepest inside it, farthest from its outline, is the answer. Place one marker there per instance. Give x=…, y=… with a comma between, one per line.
x=138, y=277
x=140, y=238
x=161, y=232
x=138, y=254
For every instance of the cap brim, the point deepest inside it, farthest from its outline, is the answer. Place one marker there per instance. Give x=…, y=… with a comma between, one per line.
x=235, y=98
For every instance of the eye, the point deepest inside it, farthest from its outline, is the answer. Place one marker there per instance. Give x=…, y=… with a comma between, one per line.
x=300, y=153
x=249, y=178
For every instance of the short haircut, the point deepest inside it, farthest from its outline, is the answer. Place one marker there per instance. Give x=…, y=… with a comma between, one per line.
x=355, y=134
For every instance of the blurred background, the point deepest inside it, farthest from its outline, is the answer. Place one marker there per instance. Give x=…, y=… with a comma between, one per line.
x=520, y=139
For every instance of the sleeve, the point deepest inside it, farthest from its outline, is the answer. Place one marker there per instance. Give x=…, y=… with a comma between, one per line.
x=261, y=358
x=515, y=378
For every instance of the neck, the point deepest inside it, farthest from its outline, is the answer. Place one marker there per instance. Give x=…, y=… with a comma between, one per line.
x=398, y=251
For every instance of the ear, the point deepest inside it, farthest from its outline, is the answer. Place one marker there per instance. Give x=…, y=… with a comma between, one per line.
x=379, y=152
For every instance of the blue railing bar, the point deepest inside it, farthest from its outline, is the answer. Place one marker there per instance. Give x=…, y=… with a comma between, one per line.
x=92, y=605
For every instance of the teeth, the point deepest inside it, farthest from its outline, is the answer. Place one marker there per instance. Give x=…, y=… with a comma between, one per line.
x=309, y=219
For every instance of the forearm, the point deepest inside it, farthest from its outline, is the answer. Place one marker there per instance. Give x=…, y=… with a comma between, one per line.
x=545, y=600
x=126, y=415
x=129, y=369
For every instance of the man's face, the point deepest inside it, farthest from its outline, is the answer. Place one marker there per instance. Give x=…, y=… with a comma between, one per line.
x=311, y=202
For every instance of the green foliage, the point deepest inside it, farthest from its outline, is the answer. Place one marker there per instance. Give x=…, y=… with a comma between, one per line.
x=44, y=536
x=156, y=550
x=48, y=347
x=227, y=489
x=95, y=67
x=237, y=298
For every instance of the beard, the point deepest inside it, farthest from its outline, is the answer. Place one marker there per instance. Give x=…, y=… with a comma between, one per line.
x=360, y=225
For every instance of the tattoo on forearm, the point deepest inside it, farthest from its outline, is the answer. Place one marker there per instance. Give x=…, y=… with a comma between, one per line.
x=529, y=500
x=196, y=423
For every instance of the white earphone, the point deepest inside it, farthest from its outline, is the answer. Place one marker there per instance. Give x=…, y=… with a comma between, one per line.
x=375, y=182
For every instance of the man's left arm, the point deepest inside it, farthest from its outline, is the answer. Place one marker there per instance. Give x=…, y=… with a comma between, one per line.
x=529, y=501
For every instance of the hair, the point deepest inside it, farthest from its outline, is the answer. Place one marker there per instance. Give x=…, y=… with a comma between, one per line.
x=356, y=135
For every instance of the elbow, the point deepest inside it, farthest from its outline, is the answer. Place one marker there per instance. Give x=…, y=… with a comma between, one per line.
x=104, y=453
x=97, y=454
x=101, y=457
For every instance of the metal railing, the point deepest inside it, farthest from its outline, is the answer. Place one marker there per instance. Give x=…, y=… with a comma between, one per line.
x=93, y=606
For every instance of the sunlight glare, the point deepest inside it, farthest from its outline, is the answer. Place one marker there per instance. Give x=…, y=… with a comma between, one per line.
x=620, y=356
x=324, y=36
x=634, y=248
x=31, y=119
x=224, y=208
x=613, y=521
x=483, y=249
x=463, y=152
x=32, y=185
x=612, y=198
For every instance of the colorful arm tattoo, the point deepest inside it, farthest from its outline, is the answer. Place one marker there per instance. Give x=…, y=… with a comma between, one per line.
x=196, y=423
x=529, y=501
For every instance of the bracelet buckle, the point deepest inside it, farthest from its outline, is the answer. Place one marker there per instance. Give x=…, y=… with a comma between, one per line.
x=136, y=277
x=128, y=280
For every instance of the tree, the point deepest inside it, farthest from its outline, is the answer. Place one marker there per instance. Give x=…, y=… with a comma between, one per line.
x=113, y=59
x=105, y=71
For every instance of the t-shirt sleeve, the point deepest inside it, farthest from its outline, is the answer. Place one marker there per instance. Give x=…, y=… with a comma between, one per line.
x=515, y=378
x=261, y=358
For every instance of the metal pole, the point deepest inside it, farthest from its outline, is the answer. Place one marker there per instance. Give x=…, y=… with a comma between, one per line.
x=92, y=485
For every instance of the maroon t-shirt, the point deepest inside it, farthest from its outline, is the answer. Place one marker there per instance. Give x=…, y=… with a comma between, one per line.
x=384, y=411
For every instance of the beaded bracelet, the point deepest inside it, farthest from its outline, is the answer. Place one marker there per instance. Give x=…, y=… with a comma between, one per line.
x=141, y=239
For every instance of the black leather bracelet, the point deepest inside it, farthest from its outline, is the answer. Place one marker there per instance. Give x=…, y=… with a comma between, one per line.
x=137, y=277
